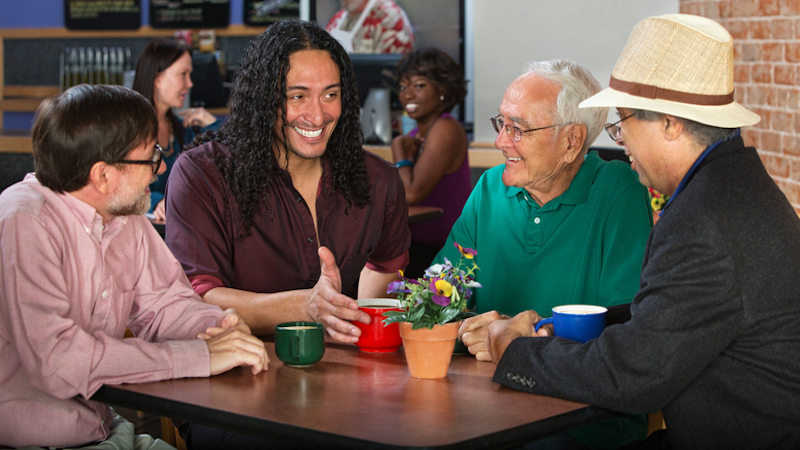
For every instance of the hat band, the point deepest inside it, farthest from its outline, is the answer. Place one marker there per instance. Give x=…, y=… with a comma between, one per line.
x=654, y=92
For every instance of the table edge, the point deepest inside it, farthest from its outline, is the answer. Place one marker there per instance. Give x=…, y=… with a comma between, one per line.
x=291, y=434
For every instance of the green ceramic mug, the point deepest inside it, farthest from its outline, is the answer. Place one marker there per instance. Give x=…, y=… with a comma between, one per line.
x=299, y=344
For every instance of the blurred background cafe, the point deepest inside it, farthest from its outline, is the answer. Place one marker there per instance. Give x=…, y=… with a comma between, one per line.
x=48, y=45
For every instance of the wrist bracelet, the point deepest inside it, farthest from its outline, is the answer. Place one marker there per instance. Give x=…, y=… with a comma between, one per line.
x=403, y=163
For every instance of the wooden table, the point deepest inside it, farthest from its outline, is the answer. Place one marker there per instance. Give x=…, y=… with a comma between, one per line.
x=352, y=399
x=418, y=214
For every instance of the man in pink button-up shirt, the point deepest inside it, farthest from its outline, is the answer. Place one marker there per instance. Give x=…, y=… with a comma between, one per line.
x=80, y=263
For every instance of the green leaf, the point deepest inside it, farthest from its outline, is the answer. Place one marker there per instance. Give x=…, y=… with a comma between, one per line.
x=447, y=315
x=393, y=317
x=416, y=314
x=423, y=323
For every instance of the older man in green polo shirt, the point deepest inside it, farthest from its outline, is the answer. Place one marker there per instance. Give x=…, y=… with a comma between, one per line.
x=553, y=225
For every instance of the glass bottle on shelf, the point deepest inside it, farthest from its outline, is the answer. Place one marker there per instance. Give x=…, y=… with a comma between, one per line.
x=63, y=70
x=89, y=69
x=105, y=66
x=74, y=70
x=98, y=66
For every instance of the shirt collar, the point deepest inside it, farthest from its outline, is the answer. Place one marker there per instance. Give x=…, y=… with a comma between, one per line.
x=696, y=164
x=90, y=219
x=578, y=190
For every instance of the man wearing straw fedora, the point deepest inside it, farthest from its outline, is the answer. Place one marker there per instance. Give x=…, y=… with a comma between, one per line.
x=712, y=337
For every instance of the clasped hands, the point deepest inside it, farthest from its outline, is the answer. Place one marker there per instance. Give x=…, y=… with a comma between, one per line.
x=231, y=344
x=488, y=335
x=406, y=147
x=196, y=117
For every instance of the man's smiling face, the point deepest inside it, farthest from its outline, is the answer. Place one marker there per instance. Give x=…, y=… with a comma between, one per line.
x=313, y=104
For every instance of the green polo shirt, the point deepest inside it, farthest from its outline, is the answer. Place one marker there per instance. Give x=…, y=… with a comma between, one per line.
x=583, y=247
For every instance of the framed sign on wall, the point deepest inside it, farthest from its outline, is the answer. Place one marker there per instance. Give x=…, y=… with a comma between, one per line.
x=266, y=12
x=102, y=14
x=190, y=13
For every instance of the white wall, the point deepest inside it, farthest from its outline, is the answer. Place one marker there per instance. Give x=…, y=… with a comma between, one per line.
x=509, y=33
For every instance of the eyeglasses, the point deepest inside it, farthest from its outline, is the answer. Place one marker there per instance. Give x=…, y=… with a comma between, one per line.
x=613, y=129
x=498, y=123
x=158, y=155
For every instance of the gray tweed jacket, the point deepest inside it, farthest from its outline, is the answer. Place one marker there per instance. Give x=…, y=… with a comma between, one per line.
x=713, y=336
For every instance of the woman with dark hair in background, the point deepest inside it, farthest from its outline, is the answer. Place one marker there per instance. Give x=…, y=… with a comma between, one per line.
x=163, y=77
x=432, y=159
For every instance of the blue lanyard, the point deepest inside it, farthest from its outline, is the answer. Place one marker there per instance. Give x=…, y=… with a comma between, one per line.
x=693, y=169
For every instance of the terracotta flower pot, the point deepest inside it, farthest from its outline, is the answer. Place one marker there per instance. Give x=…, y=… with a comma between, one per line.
x=428, y=351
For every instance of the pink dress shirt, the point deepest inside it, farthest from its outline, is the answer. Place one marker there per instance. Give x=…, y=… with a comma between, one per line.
x=68, y=288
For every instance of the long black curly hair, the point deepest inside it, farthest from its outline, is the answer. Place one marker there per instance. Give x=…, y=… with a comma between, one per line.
x=258, y=100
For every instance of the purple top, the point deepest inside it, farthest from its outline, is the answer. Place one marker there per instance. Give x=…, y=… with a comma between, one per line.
x=450, y=194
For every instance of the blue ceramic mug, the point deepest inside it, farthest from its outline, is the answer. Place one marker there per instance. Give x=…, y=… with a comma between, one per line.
x=580, y=323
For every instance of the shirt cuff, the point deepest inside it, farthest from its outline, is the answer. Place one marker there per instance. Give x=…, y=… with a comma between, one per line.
x=204, y=283
x=391, y=266
x=190, y=358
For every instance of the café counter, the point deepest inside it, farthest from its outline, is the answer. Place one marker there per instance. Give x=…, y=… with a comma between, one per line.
x=482, y=155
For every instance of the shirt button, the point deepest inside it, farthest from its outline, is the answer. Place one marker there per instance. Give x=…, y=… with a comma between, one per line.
x=310, y=240
x=536, y=221
x=298, y=199
x=105, y=294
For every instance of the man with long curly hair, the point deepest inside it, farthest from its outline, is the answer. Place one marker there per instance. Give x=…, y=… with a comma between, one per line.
x=262, y=211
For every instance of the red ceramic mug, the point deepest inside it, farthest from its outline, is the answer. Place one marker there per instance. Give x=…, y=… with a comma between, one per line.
x=375, y=338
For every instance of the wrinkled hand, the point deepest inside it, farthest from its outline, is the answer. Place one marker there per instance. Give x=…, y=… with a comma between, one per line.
x=503, y=332
x=230, y=345
x=327, y=305
x=474, y=333
x=197, y=117
x=546, y=330
x=159, y=212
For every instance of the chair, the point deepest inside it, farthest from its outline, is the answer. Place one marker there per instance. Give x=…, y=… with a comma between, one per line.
x=655, y=422
x=170, y=435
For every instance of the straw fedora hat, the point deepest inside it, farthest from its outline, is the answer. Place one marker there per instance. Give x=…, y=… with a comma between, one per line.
x=677, y=64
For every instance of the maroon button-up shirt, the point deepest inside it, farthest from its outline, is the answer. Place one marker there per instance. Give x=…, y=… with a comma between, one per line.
x=280, y=253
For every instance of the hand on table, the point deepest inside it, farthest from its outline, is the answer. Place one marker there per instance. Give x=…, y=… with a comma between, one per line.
x=197, y=117
x=474, y=332
x=503, y=332
x=230, y=344
x=327, y=305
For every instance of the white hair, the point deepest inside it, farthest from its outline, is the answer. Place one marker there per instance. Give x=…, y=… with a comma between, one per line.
x=577, y=84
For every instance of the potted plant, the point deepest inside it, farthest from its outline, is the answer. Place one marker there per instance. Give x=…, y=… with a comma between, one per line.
x=432, y=308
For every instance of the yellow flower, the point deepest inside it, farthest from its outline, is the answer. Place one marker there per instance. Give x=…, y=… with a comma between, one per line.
x=465, y=252
x=444, y=288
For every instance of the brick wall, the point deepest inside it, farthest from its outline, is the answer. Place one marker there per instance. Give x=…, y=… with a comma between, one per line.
x=766, y=37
